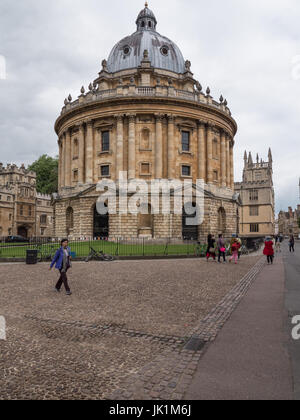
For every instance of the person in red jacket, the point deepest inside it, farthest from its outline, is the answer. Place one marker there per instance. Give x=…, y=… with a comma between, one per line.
x=269, y=250
x=235, y=250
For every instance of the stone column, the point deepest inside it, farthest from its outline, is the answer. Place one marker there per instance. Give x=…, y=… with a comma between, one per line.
x=201, y=151
x=159, y=148
x=227, y=162
x=171, y=159
x=119, y=146
x=209, y=154
x=231, y=165
x=89, y=153
x=81, y=175
x=68, y=168
x=131, y=148
x=223, y=159
x=60, y=164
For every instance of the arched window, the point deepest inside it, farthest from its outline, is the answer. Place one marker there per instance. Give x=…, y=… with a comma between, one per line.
x=150, y=24
x=221, y=220
x=70, y=220
x=143, y=24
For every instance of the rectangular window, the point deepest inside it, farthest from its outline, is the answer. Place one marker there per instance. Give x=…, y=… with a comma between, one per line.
x=254, y=211
x=145, y=168
x=43, y=219
x=105, y=141
x=254, y=228
x=21, y=210
x=186, y=170
x=105, y=170
x=253, y=195
x=216, y=176
x=185, y=141
x=29, y=211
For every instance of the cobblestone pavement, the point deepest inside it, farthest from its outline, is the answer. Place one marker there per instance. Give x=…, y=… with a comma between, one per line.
x=131, y=330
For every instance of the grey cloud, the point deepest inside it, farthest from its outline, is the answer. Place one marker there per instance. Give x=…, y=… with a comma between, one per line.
x=243, y=50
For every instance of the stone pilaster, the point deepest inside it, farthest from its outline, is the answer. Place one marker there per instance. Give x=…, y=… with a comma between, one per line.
x=60, y=164
x=119, y=146
x=223, y=159
x=131, y=147
x=171, y=158
x=89, y=153
x=209, y=153
x=68, y=159
x=159, y=148
x=201, y=151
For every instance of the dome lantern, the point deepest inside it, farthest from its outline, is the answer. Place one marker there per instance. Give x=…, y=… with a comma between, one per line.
x=146, y=20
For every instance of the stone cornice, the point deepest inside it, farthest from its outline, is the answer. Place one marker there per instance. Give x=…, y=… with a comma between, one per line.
x=146, y=100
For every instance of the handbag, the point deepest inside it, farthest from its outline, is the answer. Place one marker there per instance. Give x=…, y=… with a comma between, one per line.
x=223, y=249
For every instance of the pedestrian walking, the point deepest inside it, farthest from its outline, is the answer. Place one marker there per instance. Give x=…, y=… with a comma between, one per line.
x=292, y=243
x=269, y=250
x=211, y=252
x=62, y=262
x=221, y=249
x=277, y=243
x=235, y=250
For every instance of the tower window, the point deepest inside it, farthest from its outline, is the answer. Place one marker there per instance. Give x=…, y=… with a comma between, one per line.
x=253, y=195
x=150, y=25
x=185, y=141
x=254, y=211
x=143, y=24
x=254, y=228
x=105, y=141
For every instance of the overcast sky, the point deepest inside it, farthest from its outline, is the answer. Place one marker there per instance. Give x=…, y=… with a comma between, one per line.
x=248, y=50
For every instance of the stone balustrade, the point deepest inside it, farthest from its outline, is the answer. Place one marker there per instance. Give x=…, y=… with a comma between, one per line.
x=147, y=91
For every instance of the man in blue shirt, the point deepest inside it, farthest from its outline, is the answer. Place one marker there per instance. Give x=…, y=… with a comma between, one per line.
x=62, y=261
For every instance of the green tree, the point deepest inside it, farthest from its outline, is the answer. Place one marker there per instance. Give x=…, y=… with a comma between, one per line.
x=46, y=169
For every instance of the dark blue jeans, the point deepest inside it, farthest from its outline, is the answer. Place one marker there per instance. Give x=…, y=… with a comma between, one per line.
x=63, y=280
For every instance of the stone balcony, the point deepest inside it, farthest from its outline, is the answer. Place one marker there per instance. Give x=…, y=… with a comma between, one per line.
x=144, y=91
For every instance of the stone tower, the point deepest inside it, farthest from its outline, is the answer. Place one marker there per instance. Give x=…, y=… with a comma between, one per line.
x=257, y=214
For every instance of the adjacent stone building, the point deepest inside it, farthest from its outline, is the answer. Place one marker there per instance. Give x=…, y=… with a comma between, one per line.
x=146, y=115
x=288, y=222
x=257, y=213
x=22, y=210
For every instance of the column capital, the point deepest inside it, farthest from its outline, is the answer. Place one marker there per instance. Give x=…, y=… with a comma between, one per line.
x=89, y=122
x=119, y=117
x=201, y=123
x=131, y=117
x=171, y=118
x=159, y=117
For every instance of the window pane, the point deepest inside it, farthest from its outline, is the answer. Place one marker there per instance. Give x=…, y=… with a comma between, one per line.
x=186, y=171
x=105, y=170
x=105, y=141
x=185, y=139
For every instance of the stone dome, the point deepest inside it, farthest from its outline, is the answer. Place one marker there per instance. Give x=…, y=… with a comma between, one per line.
x=129, y=52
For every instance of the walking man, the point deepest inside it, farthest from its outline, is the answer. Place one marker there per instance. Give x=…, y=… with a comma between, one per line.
x=292, y=243
x=62, y=261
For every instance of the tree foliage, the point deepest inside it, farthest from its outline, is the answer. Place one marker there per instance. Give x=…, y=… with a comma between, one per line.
x=46, y=169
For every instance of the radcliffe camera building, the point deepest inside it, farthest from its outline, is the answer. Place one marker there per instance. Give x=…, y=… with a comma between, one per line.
x=147, y=115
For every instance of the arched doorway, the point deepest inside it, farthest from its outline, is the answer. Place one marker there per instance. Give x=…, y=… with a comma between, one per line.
x=145, y=221
x=221, y=220
x=70, y=220
x=101, y=224
x=23, y=231
x=189, y=232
